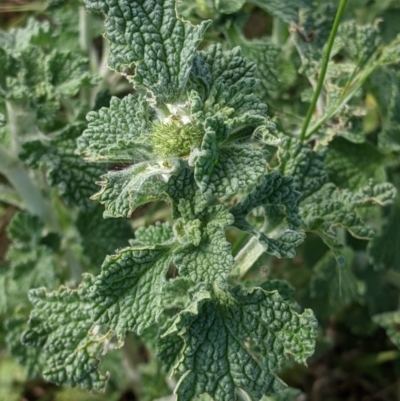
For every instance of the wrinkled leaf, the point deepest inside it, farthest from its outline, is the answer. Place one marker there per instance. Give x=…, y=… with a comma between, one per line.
x=218, y=332
x=60, y=325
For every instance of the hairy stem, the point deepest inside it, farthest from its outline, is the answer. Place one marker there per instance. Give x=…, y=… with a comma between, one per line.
x=324, y=67
x=246, y=258
x=279, y=32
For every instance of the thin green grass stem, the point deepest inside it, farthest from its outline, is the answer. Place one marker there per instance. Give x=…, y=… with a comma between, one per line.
x=325, y=62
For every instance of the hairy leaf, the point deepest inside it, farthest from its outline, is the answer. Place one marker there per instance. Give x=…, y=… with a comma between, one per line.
x=229, y=6
x=125, y=190
x=330, y=207
x=101, y=237
x=305, y=166
x=148, y=35
x=223, y=171
x=127, y=295
x=31, y=254
x=225, y=82
x=37, y=77
x=177, y=293
x=360, y=42
x=333, y=284
x=287, y=11
x=60, y=325
x=285, y=290
x=160, y=233
x=187, y=200
x=209, y=259
x=117, y=133
x=29, y=357
x=385, y=86
x=264, y=54
x=353, y=166
x=204, y=255
x=74, y=179
x=218, y=333
x=277, y=197
x=384, y=249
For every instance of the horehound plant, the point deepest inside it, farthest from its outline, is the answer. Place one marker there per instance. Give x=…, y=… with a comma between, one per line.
x=195, y=136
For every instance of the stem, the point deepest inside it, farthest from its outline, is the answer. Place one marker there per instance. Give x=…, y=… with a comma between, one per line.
x=13, y=8
x=22, y=125
x=246, y=258
x=342, y=101
x=85, y=43
x=324, y=68
x=16, y=174
x=9, y=196
x=279, y=30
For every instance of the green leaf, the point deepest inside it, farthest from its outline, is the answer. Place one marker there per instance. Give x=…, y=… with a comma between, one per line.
x=30, y=358
x=36, y=76
x=322, y=205
x=288, y=394
x=264, y=55
x=218, y=333
x=118, y=133
x=305, y=166
x=204, y=255
x=333, y=284
x=287, y=11
x=148, y=35
x=330, y=207
x=187, y=201
x=390, y=322
x=160, y=233
x=352, y=165
x=277, y=197
x=124, y=191
x=384, y=249
x=74, y=179
x=60, y=325
x=223, y=171
x=229, y=6
x=127, y=295
x=101, y=237
x=68, y=73
x=225, y=84
x=153, y=381
x=360, y=42
x=386, y=88
x=285, y=290
x=32, y=260
x=176, y=293
x=24, y=229
x=168, y=347
x=97, y=5
x=209, y=259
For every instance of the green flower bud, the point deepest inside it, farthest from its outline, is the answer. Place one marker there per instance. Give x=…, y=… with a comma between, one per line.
x=175, y=138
